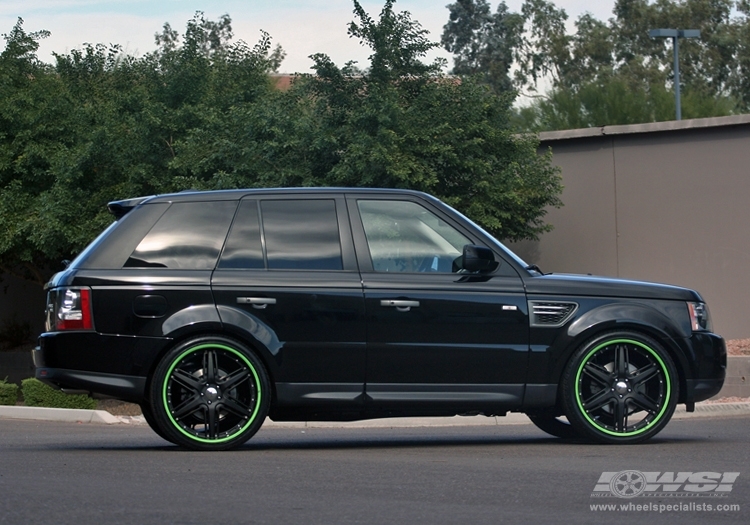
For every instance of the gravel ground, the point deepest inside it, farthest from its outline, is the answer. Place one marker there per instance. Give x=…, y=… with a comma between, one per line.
x=738, y=347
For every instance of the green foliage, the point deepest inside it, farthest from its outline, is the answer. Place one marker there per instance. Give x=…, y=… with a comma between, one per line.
x=483, y=43
x=101, y=125
x=8, y=392
x=37, y=394
x=398, y=124
x=612, y=72
x=202, y=112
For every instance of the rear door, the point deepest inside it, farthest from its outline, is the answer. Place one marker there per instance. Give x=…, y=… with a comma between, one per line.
x=435, y=335
x=288, y=275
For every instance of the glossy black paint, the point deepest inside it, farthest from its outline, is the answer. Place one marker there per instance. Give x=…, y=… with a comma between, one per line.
x=345, y=341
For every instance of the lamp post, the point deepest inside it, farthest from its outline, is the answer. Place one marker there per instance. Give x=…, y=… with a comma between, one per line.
x=676, y=34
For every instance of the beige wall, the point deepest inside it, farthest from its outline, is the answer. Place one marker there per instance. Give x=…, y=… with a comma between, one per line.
x=658, y=204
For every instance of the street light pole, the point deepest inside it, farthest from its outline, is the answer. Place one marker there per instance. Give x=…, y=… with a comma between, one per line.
x=675, y=35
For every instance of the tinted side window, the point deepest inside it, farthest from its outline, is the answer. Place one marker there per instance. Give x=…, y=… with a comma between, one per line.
x=301, y=234
x=405, y=237
x=188, y=236
x=244, y=248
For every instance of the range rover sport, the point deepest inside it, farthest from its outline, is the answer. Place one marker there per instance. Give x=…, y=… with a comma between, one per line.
x=215, y=310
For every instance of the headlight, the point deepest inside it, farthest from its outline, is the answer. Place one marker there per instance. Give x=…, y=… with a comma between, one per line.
x=699, y=318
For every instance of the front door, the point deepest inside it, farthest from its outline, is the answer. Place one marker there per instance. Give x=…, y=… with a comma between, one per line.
x=435, y=334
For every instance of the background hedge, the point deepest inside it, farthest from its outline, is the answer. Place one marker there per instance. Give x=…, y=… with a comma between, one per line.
x=37, y=394
x=8, y=393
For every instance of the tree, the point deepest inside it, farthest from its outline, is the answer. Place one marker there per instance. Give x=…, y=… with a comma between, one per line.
x=403, y=124
x=620, y=59
x=101, y=125
x=201, y=112
x=483, y=43
x=398, y=123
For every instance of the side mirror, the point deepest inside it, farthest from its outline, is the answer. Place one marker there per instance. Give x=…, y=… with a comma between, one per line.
x=478, y=259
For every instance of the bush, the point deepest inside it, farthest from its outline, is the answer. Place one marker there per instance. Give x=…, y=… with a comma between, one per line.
x=8, y=392
x=37, y=394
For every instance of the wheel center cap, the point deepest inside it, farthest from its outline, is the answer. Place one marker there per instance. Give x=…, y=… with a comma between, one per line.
x=621, y=387
x=211, y=393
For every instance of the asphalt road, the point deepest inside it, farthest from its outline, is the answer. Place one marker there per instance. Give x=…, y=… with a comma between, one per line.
x=82, y=473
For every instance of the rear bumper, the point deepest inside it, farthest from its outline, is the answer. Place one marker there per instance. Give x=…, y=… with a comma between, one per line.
x=108, y=365
x=127, y=388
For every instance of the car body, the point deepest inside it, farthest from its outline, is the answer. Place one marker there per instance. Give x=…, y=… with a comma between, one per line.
x=214, y=309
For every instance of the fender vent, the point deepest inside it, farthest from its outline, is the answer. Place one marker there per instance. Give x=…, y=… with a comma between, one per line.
x=551, y=314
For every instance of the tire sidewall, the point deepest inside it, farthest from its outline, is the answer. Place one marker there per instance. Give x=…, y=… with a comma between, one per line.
x=582, y=422
x=159, y=409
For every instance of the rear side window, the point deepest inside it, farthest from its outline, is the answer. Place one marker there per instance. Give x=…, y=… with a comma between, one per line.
x=295, y=235
x=188, y=236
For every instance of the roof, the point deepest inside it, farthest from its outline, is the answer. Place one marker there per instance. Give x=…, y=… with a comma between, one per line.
x=651, y=127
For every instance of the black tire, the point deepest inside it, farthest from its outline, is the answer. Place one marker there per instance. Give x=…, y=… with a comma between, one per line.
x=149, y=417
x=209, y=393
x=620, y=387
x=553, y=425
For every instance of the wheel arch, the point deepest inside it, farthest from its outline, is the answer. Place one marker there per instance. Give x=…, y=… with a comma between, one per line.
x=632, y=317
x=215, y=327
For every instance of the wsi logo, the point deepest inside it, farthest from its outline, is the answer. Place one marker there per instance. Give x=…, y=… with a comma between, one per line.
x=632, y=483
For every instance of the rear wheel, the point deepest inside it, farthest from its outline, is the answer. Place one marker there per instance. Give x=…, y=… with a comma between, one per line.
x=621, y=387
x=209, y=393
x=149, y=417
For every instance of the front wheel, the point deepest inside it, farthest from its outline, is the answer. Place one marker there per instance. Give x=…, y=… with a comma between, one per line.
x=553, y=425
x=621, y=387
x=209, y=393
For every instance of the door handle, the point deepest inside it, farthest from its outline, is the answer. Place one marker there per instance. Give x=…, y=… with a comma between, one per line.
x=259, y=303
x=400, y=305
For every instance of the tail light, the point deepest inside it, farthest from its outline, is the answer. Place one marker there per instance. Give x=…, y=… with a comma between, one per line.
x=70, y=309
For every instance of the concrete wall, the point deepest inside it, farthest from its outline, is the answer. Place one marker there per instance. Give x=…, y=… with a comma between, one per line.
x=666, y=202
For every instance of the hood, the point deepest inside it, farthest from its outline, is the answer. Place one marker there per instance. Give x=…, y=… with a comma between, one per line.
x=589, y=285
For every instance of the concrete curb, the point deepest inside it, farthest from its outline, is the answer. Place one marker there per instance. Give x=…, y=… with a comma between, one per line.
x=103, y=417
x=70, y=415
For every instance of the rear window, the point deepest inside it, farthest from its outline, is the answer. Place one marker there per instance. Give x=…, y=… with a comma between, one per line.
x=295, y=235
x=189, y=236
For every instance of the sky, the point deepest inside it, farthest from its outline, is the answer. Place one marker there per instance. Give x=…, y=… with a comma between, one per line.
x=302, y=27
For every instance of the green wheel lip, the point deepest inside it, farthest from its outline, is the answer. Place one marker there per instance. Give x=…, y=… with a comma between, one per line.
x=196, y=349
x=667, y=396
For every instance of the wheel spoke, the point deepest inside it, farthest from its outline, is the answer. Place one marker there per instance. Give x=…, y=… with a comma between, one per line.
x=644, y=402
x=212, y=422
x=187, y=407
x=621, y=415
x=233, y=379
x=598, y=374
x=210, y=365
x=621, y=360
x=644, y=374
x=598, y=400
x=186, y=380
x=234, y=406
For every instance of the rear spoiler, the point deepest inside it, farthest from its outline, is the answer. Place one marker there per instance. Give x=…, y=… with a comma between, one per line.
x=120, y=208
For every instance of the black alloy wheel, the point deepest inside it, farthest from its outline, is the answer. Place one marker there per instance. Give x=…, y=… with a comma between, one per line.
x=621, y=387
x=209, y=393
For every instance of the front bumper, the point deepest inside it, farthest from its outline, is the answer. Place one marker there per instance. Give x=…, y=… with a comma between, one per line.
x=710, y=367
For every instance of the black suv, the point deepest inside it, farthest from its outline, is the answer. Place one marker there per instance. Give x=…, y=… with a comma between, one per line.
x=213, y=310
